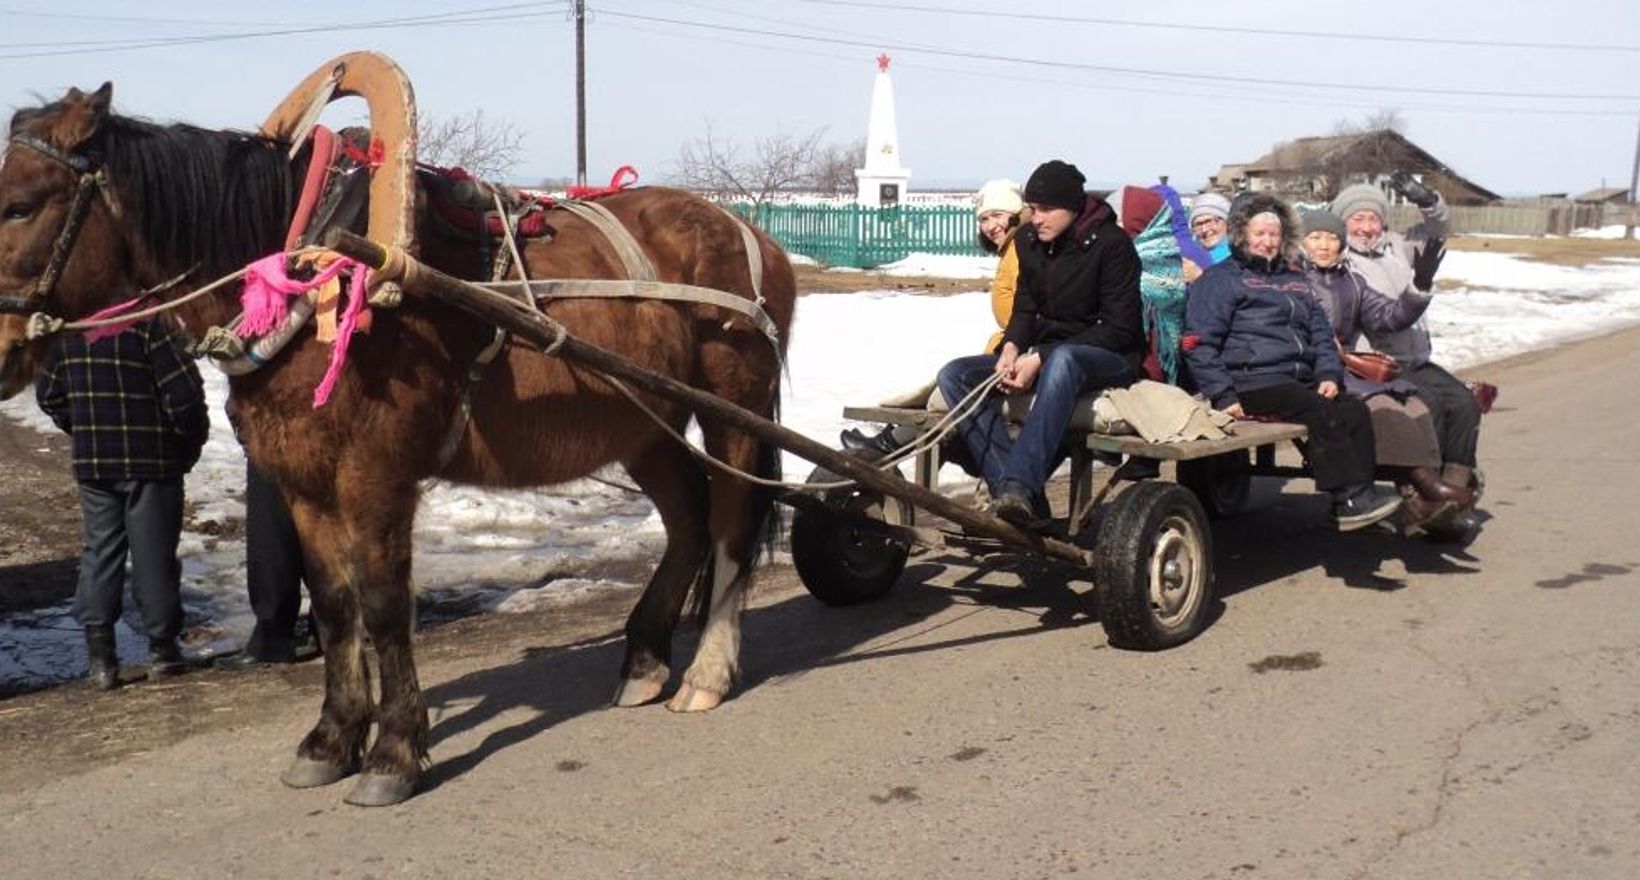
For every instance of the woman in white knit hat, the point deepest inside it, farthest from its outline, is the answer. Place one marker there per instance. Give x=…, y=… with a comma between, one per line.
x=1000, y=211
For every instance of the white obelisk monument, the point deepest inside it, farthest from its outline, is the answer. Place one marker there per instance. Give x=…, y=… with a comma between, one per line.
x=882, y=182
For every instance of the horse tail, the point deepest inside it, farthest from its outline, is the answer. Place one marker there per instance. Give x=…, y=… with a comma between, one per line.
x=762, y=519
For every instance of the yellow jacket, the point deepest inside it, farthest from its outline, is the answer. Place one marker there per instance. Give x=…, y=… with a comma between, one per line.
x=1002, y=290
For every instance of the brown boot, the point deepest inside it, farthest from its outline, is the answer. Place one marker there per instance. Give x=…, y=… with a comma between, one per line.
x=1431, y=487
x=1462, y=475
x=1416, y=511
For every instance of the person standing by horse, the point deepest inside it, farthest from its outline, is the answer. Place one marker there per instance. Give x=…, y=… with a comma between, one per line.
x=1075, y=327
x=134, y=404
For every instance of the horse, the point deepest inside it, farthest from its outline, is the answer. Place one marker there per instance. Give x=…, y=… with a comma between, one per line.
x=171, y=199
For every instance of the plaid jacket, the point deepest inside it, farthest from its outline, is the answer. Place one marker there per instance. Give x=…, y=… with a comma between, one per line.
x=133, y=403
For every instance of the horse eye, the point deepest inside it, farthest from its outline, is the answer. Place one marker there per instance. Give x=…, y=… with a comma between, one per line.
x=17, y=211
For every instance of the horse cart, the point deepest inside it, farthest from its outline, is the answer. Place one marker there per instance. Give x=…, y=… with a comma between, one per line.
x=1145, y=545
x=606, y=324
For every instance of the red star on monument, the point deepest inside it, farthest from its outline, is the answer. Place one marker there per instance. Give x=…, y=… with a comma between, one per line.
x=882, y=62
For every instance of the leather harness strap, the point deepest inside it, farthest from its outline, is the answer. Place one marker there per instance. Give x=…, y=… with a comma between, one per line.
x=590, y=288
x=638, y=266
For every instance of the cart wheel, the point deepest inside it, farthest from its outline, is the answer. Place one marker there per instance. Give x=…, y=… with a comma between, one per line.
x=1222, y=482
x=839, y=563
x=1154, y=567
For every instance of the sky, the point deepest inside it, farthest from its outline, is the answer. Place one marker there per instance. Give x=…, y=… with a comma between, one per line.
x=1521, y=97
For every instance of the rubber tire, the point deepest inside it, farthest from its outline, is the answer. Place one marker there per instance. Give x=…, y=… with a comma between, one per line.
x=1221, y=482
x=838, y=564
x=1134, y=526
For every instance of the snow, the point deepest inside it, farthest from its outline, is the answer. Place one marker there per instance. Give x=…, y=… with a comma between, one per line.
x=511, y=551
x=1602, y=232
x=943, y=266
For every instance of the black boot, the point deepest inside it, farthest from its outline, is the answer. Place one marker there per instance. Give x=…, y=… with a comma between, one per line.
x=875, y=447
x=103, y=660
x=164, y=659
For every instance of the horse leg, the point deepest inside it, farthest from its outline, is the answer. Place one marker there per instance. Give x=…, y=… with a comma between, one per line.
x=331, y=750
x=396, y=759
x=736, y=519
x=677, y=486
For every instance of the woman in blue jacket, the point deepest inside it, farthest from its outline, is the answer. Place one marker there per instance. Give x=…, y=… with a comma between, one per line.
x=1259, y=345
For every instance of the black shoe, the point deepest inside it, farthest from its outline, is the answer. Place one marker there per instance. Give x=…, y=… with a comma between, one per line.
x=165, y=660
x=1018, y=509
x=1364, y=506
x=248, y=660
x=874, y=447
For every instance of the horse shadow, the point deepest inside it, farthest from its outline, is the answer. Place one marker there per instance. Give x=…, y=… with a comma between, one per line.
x=557, y=683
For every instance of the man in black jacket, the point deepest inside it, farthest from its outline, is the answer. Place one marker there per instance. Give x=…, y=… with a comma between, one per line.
x=1076, y=328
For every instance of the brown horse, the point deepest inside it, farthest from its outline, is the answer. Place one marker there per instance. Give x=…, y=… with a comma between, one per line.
x=173, y=198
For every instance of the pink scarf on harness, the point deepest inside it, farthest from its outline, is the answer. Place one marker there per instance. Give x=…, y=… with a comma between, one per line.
x=266, y=301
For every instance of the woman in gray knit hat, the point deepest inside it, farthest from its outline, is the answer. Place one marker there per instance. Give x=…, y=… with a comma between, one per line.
x=1398, y=265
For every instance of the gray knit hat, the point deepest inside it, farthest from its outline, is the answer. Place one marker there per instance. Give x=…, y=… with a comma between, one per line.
x=1323, y=221
x=1361, y=197
x=1209, y=204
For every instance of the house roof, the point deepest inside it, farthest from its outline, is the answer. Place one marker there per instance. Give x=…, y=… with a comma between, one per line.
x=1307, y=152
x=1603, y=194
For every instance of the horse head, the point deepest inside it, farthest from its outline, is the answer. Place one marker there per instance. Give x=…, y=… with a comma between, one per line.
x=61, y=248
x=99, y=207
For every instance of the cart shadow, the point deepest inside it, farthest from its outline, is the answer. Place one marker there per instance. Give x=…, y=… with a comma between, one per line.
x=1283, y=534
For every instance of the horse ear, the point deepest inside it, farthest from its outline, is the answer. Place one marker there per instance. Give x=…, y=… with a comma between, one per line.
x=82, y=115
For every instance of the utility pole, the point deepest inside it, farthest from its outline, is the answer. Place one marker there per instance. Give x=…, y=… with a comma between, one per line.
x=580, y=12
x=1634, y=182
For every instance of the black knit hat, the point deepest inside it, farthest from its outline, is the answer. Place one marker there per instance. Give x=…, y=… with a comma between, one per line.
x=1056, y=184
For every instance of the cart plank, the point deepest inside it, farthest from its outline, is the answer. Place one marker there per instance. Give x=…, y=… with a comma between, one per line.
x=1248, y=434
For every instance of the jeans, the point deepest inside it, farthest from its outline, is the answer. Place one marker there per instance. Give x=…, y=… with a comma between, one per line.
x=142, y=519
x=1069, y=371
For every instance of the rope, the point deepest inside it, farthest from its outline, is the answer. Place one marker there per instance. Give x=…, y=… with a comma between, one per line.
x=41, y=324
x=946, y=425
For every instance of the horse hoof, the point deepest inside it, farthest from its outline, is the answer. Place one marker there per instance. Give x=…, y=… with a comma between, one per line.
x=376, y=790
x=692, y=699
x=308, y=773
x=638, y=691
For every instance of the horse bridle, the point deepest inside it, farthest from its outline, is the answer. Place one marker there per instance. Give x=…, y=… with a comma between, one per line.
x=90, y=180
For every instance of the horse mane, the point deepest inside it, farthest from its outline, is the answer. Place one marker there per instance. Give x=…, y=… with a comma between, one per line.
x=217, y=199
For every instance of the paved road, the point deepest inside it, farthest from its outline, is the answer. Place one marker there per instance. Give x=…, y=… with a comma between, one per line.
x=1365, y=707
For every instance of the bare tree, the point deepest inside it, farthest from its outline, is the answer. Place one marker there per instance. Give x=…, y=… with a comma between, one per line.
x=722, y=167
x=487, y=148
x=834, y=166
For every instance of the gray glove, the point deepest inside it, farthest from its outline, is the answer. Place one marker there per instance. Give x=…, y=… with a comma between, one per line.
x=1412, y=190
x=1425, y=262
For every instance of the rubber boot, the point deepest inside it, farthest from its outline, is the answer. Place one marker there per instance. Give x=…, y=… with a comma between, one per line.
x=164, y=659
x=1461, y=475
x=1432, y=487
x=101, y=658
x=1416, y=511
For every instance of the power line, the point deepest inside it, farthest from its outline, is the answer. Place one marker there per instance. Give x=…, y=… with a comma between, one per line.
x=1239, y=95
x=1163, y=74
x=478, y=15
x=1230, y=29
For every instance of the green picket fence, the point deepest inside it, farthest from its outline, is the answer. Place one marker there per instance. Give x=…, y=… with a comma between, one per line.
x=862, y=237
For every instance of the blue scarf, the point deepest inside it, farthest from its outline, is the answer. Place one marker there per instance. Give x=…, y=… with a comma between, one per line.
x=1162, y=289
